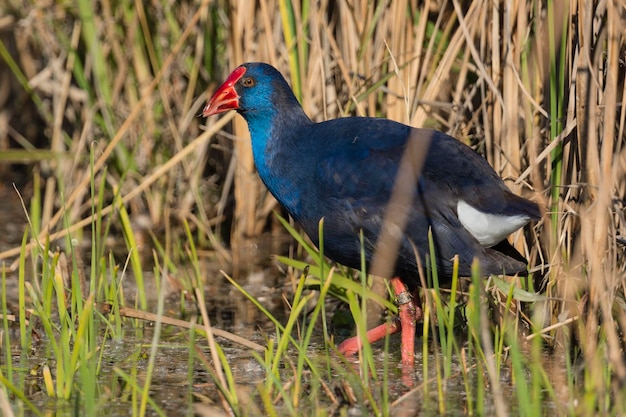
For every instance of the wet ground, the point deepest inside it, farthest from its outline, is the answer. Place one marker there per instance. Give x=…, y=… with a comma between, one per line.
x=177, y=385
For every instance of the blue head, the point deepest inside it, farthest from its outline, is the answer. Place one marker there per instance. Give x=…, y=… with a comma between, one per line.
x=259, y=93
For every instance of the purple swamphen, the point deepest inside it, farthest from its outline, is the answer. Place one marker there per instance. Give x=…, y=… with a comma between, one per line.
x=345, y=171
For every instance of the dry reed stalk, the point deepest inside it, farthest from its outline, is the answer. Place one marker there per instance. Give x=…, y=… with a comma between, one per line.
x=477, y=70
x=603, y=280
x=70, y=104
x=360, y=44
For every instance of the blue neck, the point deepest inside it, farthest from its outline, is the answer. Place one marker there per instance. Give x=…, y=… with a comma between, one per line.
x=274, y=134
x=271, y=132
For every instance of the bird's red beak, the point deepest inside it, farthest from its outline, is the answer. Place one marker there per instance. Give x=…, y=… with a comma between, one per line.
x=226, y=97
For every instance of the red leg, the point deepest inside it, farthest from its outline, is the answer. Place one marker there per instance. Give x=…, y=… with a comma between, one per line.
x=409, y=314
x=407, y=311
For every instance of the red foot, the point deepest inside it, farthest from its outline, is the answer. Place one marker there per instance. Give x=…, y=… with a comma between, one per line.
x=409, y=315
x=352, y=345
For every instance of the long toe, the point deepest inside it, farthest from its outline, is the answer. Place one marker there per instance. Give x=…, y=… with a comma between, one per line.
x=352, y=345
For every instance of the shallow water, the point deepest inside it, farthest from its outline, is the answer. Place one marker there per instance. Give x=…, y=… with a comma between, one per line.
x=177, y=385
x=177, y=382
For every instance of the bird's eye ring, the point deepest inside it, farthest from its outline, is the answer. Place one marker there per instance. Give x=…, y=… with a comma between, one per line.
x=248, y=82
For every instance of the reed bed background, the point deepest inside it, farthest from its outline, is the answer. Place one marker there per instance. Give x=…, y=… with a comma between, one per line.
x=101, y=99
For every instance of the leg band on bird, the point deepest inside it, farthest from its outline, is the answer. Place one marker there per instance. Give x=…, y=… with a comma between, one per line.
x=409, y=313
x=404, y=297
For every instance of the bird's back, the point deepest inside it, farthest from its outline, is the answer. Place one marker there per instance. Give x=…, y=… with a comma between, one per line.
x=344, y=170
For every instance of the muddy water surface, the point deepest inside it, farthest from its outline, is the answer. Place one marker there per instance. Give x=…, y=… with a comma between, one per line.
x=178, y=382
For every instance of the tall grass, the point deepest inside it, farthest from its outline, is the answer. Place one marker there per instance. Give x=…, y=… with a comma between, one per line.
x=98, y=121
